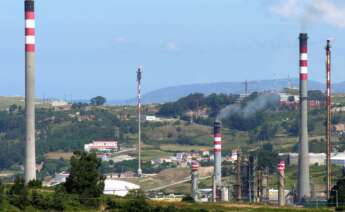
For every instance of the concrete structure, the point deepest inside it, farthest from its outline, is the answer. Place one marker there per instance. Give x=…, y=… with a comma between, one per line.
x=30, y=153
x=102, y=146
x=139, y=75
x=225, y=194
x=118, y=187
x=314, y=158
x=303, y=183
x=217, y=174
x=195, y=179
x=281, y=180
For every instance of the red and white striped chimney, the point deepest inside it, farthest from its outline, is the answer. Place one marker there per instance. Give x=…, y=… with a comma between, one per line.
x=303, y=182
x=29, y=26
x=303, y=62
x=281, y=188
x=30, y=157
x=217, y=174
x=195, y=166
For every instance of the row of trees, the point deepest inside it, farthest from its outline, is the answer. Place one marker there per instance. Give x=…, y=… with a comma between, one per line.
x=83, y=190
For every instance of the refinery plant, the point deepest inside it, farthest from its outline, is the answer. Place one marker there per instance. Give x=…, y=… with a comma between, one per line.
x=212, y=175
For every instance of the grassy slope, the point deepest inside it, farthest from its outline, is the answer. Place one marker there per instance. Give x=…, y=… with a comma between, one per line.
x=6, y=102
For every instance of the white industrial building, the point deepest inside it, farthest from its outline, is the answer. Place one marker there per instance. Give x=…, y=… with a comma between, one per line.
x=338, y=158
x=314, y=158
x=118, y=187
x=101, y=146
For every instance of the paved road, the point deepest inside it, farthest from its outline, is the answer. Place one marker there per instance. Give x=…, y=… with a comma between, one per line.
x=176, y=183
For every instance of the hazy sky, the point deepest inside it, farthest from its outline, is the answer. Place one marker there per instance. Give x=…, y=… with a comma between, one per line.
x=88, y=48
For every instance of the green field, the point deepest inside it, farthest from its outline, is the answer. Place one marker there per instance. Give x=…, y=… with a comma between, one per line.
x=6, y=102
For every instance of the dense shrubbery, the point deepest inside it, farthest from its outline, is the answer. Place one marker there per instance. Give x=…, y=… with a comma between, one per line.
x=85, y=179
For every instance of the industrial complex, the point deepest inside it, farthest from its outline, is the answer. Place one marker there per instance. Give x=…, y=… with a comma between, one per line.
x=248, y=183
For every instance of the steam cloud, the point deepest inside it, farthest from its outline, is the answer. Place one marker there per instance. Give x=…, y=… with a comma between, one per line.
x=259, y=103
x=319, y=11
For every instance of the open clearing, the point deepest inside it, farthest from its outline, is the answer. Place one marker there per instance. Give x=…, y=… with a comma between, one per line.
x=58, y=155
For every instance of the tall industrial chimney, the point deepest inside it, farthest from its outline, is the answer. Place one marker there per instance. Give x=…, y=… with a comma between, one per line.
x=303, y=183
x=329, y=116
x=281, y=180
x=30, y=160
x=217, y=175
x=195, y=167
x=139, y=75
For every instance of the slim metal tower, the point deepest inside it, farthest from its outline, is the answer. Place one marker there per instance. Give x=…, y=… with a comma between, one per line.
x=139, y=75
x=303, y=157
x=30, y=157
x=329, y=115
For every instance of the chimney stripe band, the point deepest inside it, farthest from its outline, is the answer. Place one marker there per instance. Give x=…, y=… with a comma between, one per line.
x=303, y=56
x=217, y=138
x=30, y=23
x=304, y=50
x=217, y=146
x=303, y=76
x=29, y=31
x=29, y=15
x=304, y=70
x=303, y=63
x=30, y=39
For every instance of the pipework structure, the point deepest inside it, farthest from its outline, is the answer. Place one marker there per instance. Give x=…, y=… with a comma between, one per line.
x=30, y=153
x=238, y=183
x=139, y=75
x=329, y=116
x=217, y=174
x=195, y=179
x=303, y=189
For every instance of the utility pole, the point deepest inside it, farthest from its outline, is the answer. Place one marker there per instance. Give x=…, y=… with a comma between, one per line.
x=139, y=75
x=329, y=115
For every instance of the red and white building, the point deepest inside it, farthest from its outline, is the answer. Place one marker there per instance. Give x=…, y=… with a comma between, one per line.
x=102, y=146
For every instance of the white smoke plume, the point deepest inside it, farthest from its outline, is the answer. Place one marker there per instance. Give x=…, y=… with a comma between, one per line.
x=251, y=107
x=330, y=12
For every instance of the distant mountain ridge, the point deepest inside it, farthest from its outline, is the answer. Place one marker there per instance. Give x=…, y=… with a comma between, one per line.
x=173, y=93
